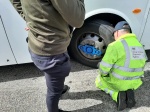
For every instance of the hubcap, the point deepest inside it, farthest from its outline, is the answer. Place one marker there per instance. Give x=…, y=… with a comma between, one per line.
x=92, y=46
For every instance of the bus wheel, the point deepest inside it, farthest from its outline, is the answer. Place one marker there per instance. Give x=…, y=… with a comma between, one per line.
x=88, y=43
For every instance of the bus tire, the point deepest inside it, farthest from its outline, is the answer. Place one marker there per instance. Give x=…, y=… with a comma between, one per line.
x=103, y=32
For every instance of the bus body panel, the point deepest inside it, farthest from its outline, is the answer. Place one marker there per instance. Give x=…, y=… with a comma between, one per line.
x=13, y=34
x=15, y=29
x=6, y=55
x=122, y=8
x=146, y=34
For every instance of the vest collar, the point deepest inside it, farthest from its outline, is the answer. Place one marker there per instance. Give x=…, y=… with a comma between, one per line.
x=127, y=35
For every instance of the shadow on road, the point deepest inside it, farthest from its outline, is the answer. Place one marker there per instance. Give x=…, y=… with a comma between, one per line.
x=16, y=72
x=24, y=71
x=108, y=105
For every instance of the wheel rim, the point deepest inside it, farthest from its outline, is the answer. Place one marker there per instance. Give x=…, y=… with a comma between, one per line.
x=91, y=46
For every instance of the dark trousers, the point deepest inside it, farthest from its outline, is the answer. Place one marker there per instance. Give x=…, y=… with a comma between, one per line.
x=55, y=68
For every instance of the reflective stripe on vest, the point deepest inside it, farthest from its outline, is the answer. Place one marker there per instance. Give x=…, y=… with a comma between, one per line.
x=100, y=83
x=103, y=72
x=126, y=69
x=125, y=77
x=109, y=91
x=126, y=65
x=127, y=61
x=106, y=90
x=106, y=64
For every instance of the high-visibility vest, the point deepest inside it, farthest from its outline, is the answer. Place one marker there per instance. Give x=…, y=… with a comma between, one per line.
x=122, y=65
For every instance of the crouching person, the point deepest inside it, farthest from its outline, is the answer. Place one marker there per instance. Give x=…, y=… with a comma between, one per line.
x=121, y=68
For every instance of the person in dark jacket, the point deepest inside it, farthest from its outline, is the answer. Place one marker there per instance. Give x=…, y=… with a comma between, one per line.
x=50, y=24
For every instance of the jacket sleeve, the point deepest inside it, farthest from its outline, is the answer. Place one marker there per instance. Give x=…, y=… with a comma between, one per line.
x=73, y=11
x=17, y=5
x=108, y=60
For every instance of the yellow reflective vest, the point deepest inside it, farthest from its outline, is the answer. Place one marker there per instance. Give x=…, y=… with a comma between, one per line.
x=122, y=65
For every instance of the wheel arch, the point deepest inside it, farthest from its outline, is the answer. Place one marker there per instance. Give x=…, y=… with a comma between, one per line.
x=107, y=13
x=94, y=17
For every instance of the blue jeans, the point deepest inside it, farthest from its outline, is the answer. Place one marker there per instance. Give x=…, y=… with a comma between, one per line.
x=55, y=68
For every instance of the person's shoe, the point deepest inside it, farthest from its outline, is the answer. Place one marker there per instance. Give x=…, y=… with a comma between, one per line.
x=65, y=89
x=130, y=98
x=59, y=110
x=121, y=101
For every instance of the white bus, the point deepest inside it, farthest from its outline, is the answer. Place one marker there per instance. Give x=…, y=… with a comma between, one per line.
x=89, y=42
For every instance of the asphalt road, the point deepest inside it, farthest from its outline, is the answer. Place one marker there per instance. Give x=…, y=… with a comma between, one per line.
x=22, y=89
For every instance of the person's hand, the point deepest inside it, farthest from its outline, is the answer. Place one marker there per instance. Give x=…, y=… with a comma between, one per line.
x=27, y=29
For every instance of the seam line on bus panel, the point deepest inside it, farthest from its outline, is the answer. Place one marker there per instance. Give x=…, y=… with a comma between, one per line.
x=145, y=21
x=8, y=39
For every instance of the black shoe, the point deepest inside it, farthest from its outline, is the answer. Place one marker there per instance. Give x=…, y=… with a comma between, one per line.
x=121, y=103
x=65, y=89
x=130, y=98
x=59, y=110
